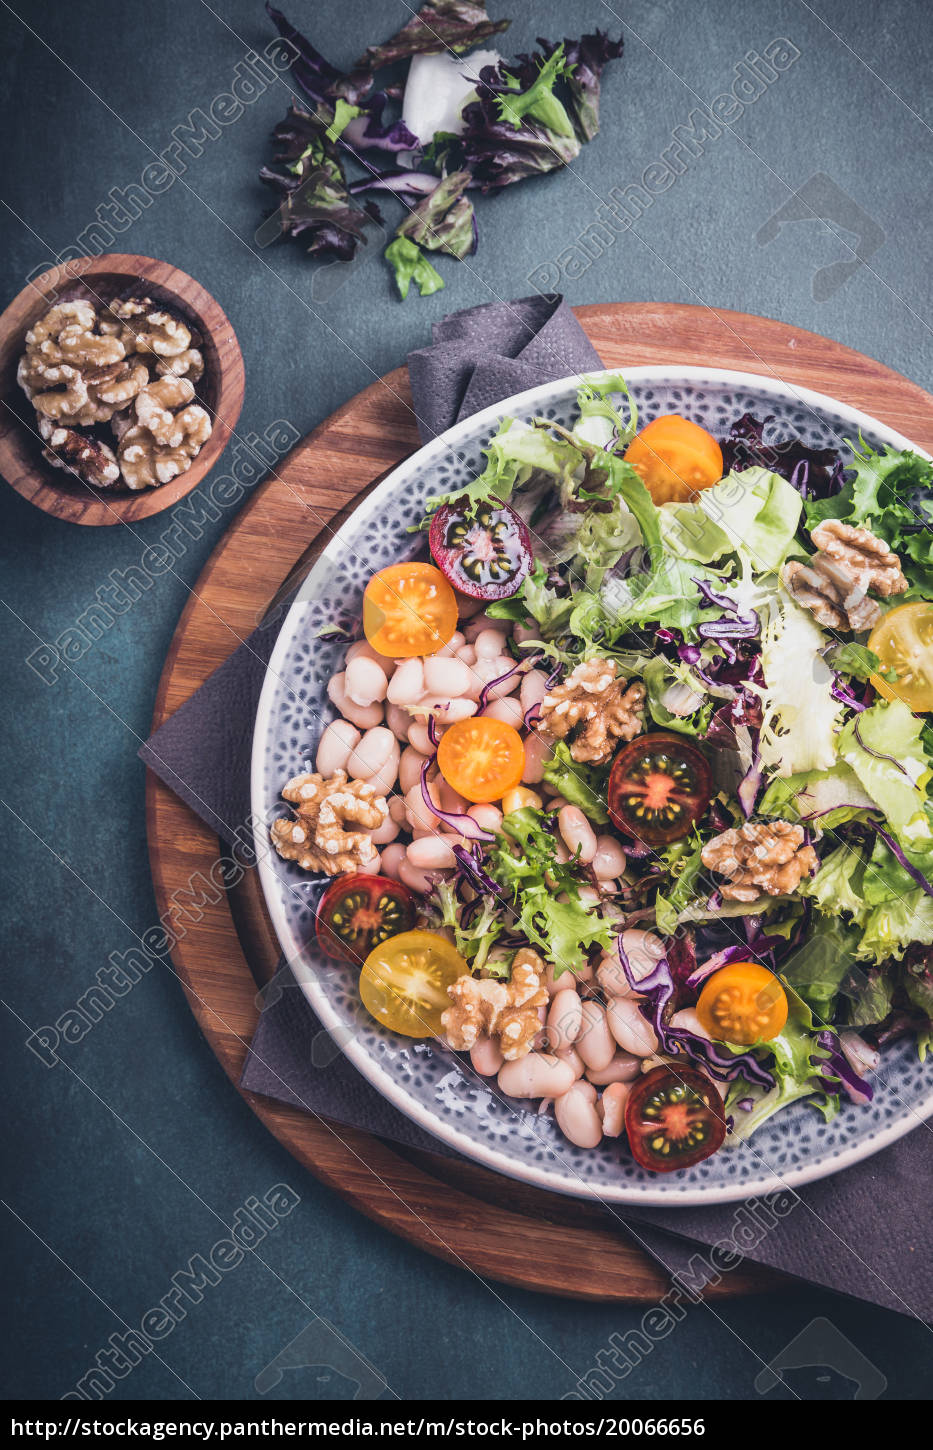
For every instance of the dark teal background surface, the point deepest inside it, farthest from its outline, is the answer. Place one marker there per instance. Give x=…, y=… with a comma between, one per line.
x=123, y=1159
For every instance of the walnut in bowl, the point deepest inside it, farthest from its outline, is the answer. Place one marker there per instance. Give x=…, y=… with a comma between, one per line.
x=122, y=380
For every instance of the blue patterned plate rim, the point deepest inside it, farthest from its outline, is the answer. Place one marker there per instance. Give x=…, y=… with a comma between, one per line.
x=557, y=1166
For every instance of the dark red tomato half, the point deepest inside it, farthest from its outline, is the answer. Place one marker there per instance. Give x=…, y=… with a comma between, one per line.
x=673, y=1118
x=357, y=913
x=484, y=553
x=659, y=786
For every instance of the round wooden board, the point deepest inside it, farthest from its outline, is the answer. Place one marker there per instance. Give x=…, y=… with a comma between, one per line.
x=463, y=1213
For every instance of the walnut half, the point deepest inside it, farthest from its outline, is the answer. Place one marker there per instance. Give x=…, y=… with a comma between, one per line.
x=760, y=858
x=505, y=1011
x=834, y=585
x=593, y=709
x=321, y=838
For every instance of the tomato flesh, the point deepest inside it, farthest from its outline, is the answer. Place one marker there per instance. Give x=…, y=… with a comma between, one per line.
x=358, y=912
x=742, y=1003
x=659, y=786
x=674, y=1117
x=481, y=758
x=404, y=982
x=484, y=553
x=675, y=458
x=903, y=642
x=409, y=609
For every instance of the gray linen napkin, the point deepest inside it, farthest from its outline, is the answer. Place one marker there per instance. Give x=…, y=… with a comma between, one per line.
x=861, y=1232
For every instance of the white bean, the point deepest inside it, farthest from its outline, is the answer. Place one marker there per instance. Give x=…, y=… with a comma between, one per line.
x=566, y=979
x=492, y=670
x=385, y=833
x=446, y=678
x=468, y=607
x=538, y=752
x=610, y=860
x=397, y=810
x=610, y=974
x=595, y=1044
x=451, y=799
x=418, y=813
x=409, y=769
x=392, y=857
x=431, y=853
x=633, y=1032
x=489, y=644
x=416, y=879
x=486, y=1056
x=450, y=648
x=578, y=835
x=523, y=632
x=533, y=688
x=564, y=1020
x=687, y=1018
x=363, y=716
x=372, y=754
x=624, y=1067
x=467, y=654
x=335, y=747
x=448, y=711
x=508, y=711
x=643, y=949
x=365, y=681
x=537, y=1075
x=612, y=1108
x=571, y=1055
x=398, y=720
x=407, y=684
x=489, y=817
x=419, y=738
x=577, y=1116
x=362, y=649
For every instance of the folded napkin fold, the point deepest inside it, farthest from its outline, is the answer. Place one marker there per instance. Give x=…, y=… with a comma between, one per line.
x=861, y=1232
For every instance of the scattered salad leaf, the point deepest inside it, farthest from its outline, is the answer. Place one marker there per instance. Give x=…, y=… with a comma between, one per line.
x=443, y=221
x=411, y=265
x=438, y=26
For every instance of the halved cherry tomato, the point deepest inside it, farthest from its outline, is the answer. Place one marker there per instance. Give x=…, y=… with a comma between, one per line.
x=674, y=1117
x=659, y=786
x=742, y=1003
x=404, y=982
x=903, y=641
x=484, y=553
x=409, y=609
x=481, y=758
x=358, y=912
x=675, y=458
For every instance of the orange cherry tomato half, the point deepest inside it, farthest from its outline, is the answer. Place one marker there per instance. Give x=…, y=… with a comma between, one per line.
x=409, y=609
x=675, y=458
x=674, y=1117
x=481, y=758
x=742, y=1003
x=903, y=642
x=404, y=982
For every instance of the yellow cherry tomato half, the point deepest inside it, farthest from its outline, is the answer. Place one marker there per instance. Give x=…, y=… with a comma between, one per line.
x=409, y=609
x=675, y=458
x=742, y=1003
x=481, y=758
x=903, y=642
x=404, y=982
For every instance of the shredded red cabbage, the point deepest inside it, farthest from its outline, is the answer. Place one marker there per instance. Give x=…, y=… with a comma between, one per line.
x=838, y=1067
x=878, y=754
x=463, y=825
x=484, y=692
x=658, y=986
x=471, y=869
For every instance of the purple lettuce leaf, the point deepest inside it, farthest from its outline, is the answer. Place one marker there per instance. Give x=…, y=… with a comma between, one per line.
x=815, y=472
x=321, y=82
x=440, y=25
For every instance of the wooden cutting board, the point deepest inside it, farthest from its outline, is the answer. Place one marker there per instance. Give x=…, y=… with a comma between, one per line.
x=459, y=1211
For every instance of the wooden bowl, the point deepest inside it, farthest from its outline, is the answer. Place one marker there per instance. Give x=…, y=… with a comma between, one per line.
x=100, y=280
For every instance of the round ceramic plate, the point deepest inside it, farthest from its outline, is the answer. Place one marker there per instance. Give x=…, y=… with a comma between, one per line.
x=433, y=1086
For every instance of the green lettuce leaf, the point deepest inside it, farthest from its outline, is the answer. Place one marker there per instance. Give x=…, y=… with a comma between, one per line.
x=581, y=785
x=891, y=927
x=797, y=1056
x=819, y=966
x=827, y=797
x=884, y=747
x=411, y=265
x=837, y=885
